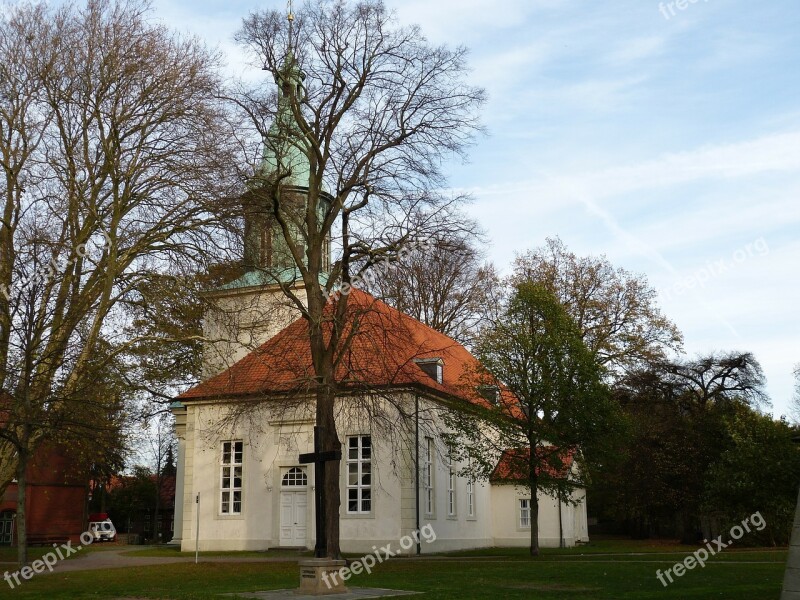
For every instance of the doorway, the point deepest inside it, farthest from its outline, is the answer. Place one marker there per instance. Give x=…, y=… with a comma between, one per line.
x=294, y=506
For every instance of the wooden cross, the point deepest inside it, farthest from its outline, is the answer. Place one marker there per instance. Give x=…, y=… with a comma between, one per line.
x=318, y=458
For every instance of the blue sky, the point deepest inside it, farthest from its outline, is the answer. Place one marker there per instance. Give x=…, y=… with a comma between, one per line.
x=667, y=139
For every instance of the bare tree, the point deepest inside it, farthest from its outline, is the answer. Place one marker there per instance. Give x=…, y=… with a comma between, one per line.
x=448, y=286
x=366, y=113
x=714, y=379
x=615, y=310
x=159, y=451
x=795, y=408
x=112, y=148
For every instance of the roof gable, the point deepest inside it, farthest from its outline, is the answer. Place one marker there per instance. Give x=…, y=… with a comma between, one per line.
x=513, y=464
x=381, y=348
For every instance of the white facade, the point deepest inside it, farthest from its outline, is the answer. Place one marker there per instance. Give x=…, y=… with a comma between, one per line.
x=273, y=506
x=511, y=527
x=239, y=320
x=254, y=494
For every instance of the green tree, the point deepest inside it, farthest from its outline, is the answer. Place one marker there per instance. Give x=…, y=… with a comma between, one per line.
x=678, y=413
x=133, y=495
x=759, y=471
x=653, y=481
x=550, y=404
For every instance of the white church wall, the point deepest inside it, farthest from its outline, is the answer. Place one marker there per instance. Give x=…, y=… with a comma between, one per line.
x=252, y=528
x=395, y=509
x=239, y=321
x=268, y=453
x=458, y=529
x=271, y=444
x=509, y=531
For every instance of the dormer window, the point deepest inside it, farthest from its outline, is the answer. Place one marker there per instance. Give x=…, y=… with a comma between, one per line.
x=490, y=393
x=433, y=368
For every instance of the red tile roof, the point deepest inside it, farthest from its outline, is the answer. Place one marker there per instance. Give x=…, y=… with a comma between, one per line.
x=381, y=351
x=513, y=464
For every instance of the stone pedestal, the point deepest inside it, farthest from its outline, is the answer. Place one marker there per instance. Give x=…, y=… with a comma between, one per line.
x=320, y=577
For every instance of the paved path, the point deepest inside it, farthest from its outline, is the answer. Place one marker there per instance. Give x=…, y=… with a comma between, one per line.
x=117, y=559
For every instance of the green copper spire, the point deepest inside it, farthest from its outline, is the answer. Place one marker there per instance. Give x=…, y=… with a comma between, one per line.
x=284, y=143
x=267, y=259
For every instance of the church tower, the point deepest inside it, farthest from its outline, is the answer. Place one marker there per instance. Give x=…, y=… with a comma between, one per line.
x=251, y=309
x=284, y=174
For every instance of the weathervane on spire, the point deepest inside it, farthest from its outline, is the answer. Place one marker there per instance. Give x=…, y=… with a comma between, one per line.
x=290, y=16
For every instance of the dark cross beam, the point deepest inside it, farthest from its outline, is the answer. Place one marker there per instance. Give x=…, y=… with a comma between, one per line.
x=318, y=458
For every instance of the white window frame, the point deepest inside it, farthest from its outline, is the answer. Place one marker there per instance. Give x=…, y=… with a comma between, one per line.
x=293, y=478
x=428, y=477
x=227, y=471
x=452, y=499
x=438, y=368
x=525, y=507
x=470, y=499
x=362, y=461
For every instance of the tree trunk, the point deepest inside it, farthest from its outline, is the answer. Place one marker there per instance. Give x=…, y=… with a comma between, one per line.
x=330, y=442
x=534, y=522
x=156, y=516
x=22, y=495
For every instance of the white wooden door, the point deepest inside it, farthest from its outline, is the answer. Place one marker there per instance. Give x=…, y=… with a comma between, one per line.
x=293, y=518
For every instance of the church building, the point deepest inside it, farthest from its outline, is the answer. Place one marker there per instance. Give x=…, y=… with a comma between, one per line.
x=240, y=484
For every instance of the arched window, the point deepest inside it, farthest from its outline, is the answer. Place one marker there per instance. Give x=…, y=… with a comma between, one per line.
x=294, y=477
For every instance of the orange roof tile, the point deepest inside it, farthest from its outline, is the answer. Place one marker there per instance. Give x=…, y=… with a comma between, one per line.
x=514, y=461
x=381, y=352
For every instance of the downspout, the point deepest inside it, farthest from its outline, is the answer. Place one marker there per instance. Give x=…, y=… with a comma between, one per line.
x=416, y=465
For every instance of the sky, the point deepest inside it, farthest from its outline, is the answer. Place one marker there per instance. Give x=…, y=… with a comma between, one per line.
x=665, y=136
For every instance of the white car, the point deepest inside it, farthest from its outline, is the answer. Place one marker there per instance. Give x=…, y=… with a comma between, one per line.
x=103, y=531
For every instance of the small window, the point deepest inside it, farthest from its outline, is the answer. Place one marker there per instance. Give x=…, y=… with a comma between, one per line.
x=490, y=393
x=470, y=498
x=525, y=513
x=433, y=368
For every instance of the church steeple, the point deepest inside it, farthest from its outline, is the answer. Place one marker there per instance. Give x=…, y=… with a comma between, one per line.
x=285, y=154
x=284, y=163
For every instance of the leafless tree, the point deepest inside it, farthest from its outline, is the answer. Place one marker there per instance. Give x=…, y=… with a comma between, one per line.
x=373, y=110
x=448, y=286
x=615, y=310
x=114, y=155
x=795, y=407
x=715, y=378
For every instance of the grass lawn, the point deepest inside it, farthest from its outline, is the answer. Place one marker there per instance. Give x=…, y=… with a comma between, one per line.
x=559, y=574
x=9, y=554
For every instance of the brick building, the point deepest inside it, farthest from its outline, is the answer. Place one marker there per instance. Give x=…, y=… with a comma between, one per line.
x=56, y=500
